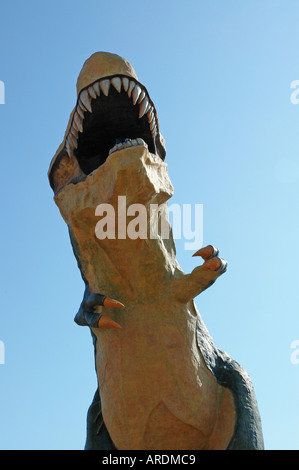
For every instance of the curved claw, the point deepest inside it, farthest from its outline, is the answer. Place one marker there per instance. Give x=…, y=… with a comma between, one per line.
x=107, y=302
x=223, y=266
x=95, y=300
x=207, y=252
x=88, y=316
x=106, y=322
x=190, y=285
x=216, y=264
x=210, y=255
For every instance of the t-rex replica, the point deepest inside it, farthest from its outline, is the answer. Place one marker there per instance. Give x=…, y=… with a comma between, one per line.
x=162, y=384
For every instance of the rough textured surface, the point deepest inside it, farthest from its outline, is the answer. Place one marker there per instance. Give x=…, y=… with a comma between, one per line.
x=162, y=382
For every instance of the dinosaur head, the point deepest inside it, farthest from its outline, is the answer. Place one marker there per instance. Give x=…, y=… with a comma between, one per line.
x=113, y=111
x=112, y=148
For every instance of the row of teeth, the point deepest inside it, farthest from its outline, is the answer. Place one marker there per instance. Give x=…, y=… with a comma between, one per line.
x=134, y=91
x=126, y=144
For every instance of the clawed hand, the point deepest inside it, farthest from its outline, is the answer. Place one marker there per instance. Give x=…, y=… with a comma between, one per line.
x=190, y=285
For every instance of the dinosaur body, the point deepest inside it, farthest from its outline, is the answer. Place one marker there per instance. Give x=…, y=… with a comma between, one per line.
x=162, y=382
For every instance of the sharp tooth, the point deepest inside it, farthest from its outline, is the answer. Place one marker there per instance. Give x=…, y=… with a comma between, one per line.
x=112, y=150
x=74, y=130
x=69, y=143
x=82, y=106
x=126, y=82
x=80, y=110
x=132, y=85
x=150, y=115
x=116, y=82
x=72, y=140
x=86, y=100
x=105, y=86
x=141, y=97
x=96, y=87
x=152, y=124
x=154, y=130
x=140, y=141
x=92, y=92
x=143, y=107
x=136, y=93
x=68, y=148
x=78, y=121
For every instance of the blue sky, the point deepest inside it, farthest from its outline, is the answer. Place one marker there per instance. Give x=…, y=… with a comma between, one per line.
x=220, y=76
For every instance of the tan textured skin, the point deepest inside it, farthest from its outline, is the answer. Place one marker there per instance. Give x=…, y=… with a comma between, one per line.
x=102, y=64
x=156, y=390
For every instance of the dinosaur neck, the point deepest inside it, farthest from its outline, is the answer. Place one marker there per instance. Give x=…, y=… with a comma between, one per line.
x=113, y=216
x=124, y=268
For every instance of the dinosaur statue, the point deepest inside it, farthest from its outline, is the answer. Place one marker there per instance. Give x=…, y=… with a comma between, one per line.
x=162, y=383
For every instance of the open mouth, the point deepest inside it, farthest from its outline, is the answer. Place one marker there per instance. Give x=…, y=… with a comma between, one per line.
x=112, y=113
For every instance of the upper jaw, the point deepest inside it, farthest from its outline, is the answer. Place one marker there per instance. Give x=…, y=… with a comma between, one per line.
x=110, y=110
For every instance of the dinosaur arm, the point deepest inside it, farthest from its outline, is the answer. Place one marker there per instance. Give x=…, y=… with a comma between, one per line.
x=190, y=285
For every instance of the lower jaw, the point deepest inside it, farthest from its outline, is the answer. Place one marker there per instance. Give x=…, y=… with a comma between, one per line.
x=127, y=144
x=89, y=165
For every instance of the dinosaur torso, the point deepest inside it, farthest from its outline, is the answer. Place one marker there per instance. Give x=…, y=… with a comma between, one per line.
x=156, y=391
x=152, y=377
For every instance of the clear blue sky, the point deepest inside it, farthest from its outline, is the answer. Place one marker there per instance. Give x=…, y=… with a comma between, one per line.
x=219, y=74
